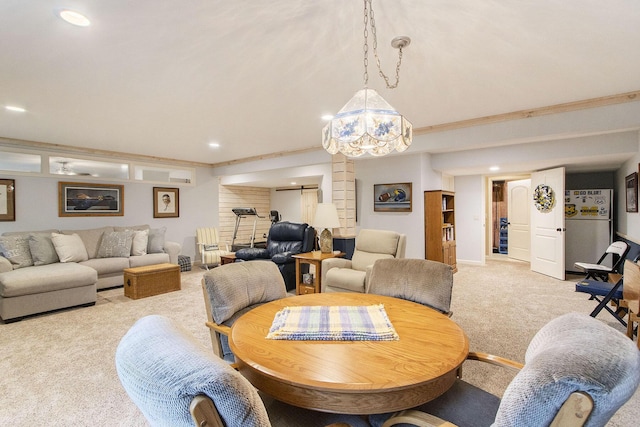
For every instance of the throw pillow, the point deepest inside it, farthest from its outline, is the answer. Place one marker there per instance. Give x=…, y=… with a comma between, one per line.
x=115, y=244
x=140, y=241
x=16, y=250
x=42, y=249
x=69, y=247
x=156, y=240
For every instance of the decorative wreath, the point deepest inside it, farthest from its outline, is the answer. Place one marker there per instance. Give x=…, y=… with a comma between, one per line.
x=544, y=198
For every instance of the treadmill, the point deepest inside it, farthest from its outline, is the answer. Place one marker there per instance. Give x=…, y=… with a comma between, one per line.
x=240, y=214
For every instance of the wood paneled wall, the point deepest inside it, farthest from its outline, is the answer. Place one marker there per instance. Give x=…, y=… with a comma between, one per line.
x=243, y=197
x=344, y=194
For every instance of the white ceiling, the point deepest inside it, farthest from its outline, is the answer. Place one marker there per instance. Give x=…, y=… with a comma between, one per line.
x=165, y=78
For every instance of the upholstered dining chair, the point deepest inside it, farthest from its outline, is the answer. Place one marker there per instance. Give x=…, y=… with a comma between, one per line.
x=419, y=280
x=233, y=289
x=209, y=246
x=175, y=381
x=344, y=275
x=578, y=372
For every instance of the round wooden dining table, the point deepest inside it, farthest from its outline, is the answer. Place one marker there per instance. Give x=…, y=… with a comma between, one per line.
x=352, y=377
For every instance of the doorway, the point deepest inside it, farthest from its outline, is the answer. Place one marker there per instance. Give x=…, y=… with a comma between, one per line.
x=500, y=211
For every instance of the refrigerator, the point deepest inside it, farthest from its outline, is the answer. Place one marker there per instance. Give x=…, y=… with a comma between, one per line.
x=589, y=225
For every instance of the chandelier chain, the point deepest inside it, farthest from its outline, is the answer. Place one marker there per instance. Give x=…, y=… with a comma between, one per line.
x=366, y=45
x=370, y=18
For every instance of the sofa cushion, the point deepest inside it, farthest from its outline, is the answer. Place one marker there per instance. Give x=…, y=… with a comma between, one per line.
x=69, y=247
x=91, y=238
x=140, y=242
x=42, y=250
x=105, y=266
x=115, y=244
x=16, y=250
x=148, y=259
x=156, y=240
x=45, y=278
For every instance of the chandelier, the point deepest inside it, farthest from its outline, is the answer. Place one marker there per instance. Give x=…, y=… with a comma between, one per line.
x=368, y=123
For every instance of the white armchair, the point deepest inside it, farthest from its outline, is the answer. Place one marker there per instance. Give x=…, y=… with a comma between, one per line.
x=343, y=275
x=209, y=246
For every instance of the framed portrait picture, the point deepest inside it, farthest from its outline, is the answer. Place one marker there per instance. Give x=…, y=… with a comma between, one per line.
x=631, y=191
x=7, y=200
x=89, y=199
x=392, y=197
x=166, y=202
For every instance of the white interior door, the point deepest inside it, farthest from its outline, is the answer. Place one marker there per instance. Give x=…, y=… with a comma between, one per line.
x=547, y=222
x=518, y=216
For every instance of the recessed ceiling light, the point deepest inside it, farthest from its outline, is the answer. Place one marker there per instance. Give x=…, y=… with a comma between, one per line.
x=74, y=18
x=293, y=183
x=494, y=168
x=14, y=108
x=327, y=117
x=214, y=145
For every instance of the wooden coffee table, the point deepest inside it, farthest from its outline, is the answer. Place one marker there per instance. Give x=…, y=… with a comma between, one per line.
x=352, y=377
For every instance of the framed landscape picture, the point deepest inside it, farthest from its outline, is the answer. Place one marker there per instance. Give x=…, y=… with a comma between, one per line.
x=392, y=197
x=166, y=202
x=7, y=200
x=89, y=199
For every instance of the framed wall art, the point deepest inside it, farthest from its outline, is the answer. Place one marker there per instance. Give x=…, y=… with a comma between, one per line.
x=166, y=202
x=89, y=199
x=7, y=200
x=631, y=191
x=392, y=197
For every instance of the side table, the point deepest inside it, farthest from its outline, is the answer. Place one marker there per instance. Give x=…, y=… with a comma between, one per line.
x=312, y=258
x=227, y=259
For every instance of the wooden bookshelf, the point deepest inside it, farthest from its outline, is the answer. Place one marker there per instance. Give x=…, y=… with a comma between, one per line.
x=439, y=227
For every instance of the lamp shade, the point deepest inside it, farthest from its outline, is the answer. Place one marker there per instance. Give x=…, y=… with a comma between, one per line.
x=367, y=124
x=326, y=216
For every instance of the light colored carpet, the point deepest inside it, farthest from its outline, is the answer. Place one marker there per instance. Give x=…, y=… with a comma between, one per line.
x=58, y=369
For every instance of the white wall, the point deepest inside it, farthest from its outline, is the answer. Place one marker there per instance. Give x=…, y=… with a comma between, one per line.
x=388, y=170
x=627, y=223
x=470, y=219
x=37, y=208
x=288, y=204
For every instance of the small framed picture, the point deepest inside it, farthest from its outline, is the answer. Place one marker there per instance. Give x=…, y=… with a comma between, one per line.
x=307, y=279
x=7, y=200
x=631, y=191
x=166, y=202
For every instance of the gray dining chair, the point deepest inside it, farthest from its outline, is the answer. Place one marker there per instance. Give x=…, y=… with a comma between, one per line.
x=233, y=289
x=578, y=372
x=419, y=280
x=175, y=381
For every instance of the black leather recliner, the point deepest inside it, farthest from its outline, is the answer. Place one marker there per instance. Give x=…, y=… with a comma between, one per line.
x=285, y=240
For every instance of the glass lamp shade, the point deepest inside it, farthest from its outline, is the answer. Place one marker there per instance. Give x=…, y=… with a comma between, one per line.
x=326, y=218
x=367, y=124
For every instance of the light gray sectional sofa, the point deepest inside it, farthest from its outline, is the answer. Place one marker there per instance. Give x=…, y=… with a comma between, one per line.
x=51, y=269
